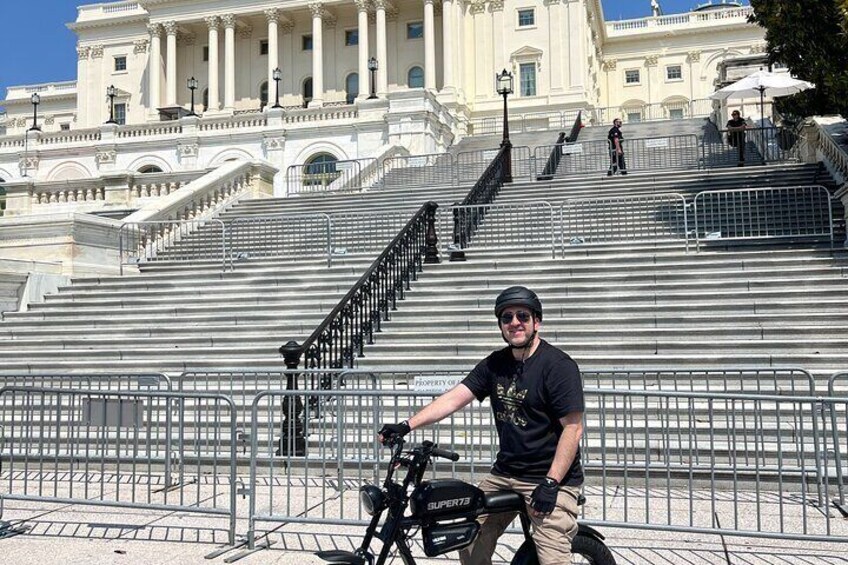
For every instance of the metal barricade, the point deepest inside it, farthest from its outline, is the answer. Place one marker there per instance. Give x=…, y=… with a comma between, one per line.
x=327, y=176
x=150, y=450
x=754, y=146
x=528, y=224
x=763, y=213
x=838, y=387
x=280, y=235
x=353, y=232
x=788, y=380
x=578, y=157
x=753, y=465
x=636, y=218
x=172, y=240
x=111, y=382
x=657, y=153
x=435, y=169
x=471, y=164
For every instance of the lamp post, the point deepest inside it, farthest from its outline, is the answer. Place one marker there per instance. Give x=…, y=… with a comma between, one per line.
x=192, y=86
x=372, y=68
x=277, y=75
x=504, y=87
x=36, y=100
x=111, y=92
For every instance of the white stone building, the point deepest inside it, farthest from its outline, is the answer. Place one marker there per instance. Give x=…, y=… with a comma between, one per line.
x=434, y=84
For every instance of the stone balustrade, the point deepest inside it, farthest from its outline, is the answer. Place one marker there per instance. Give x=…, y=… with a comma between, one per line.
x=155, y=185
x=691, y=19
x=149, y=130
x=70, y=137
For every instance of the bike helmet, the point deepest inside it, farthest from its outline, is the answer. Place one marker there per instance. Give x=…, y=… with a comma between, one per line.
x=518, y=296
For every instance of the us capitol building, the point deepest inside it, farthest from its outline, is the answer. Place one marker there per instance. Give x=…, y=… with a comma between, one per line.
x=144, y=65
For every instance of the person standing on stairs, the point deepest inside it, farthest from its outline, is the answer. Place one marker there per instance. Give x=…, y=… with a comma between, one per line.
x=736, y=127
x=616, y=139
x=537, y=400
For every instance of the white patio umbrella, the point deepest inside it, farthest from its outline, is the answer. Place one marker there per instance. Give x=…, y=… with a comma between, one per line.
x=762, y=83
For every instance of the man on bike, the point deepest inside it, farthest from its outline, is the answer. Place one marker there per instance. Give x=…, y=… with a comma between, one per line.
x=537, y=399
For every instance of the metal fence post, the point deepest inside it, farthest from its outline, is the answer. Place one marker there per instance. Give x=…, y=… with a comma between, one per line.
x=292, y=440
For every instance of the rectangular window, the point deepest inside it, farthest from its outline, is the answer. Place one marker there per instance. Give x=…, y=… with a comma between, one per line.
x=120, y=63
x=121, y=113
x=634, y=117
x=205, y=53
x=526, y=17
x=674, y=72
x=64, y=127
x=632, y=77
x=675, y=114
x=415, y=30
x=263, y=47
x=306, y=42
x=527, y=72
x=351, y=37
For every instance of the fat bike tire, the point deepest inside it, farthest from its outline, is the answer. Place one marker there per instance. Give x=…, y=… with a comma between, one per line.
x=592, y=551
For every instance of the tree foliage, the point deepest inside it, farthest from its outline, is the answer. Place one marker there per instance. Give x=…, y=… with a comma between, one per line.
x=810, y=38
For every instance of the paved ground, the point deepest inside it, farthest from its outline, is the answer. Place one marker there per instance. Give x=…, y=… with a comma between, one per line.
x=67, y=535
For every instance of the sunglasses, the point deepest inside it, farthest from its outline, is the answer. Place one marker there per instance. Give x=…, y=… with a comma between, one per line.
x=523, y=317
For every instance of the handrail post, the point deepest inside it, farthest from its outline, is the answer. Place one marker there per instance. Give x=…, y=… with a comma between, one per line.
x=292, y=441
x=431, y=251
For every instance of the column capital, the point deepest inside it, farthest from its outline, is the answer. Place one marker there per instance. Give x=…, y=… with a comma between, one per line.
x=477, y=6
x=362, y=5
x=694, y=56
x=212, y=22
x=154, y=29
x=286, y=27
x=496, y=5
x=83, y=52
x=170, y=27
x=97, y=51
x=381, y=5
x=272, y=15
x=316, y=9
x=428, y=2
x=228, y=21
x=140, y=46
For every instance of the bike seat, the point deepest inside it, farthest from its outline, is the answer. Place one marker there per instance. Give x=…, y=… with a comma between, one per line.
x=503, y=501
x=341, y=557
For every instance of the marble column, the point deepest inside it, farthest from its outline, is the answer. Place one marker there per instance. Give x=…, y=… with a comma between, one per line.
x=429, y=46
x=214, y=98
x=273, y=16
x=317, y=9
x=154, y=70
x=382, y=48
x=171, y=65
x=364, y=78
x=447, y=45
x=229, y=22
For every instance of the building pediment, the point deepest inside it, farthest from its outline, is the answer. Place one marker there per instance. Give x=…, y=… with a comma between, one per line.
x=526, y=53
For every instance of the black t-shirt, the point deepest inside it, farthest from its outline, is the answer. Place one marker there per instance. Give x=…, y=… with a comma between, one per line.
x=736, y=123
x=615, y=133
x=528, y=400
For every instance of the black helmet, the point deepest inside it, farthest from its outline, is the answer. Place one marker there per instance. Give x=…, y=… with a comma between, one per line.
x=518, y=296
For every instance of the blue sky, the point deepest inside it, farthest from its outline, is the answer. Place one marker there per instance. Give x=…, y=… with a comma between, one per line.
x=39, y=48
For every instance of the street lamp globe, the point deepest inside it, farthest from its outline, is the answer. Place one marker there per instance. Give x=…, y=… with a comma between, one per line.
x=277, y=74
x=372, y=64
x=35, y=98
x=504, y=82
x=191, y=83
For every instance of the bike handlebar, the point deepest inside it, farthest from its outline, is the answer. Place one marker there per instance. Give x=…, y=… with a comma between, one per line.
x=445, y=454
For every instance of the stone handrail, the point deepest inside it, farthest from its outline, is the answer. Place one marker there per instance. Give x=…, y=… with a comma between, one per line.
x=71, y=136
x=680, y=19
x=834, y=156
x=320, y=114
x=146, y=130
x=160, y=184
x=210, y=194
x=252, y=120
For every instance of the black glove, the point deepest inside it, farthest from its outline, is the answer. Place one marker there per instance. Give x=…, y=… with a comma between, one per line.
x=544, y=497
x=389, y=432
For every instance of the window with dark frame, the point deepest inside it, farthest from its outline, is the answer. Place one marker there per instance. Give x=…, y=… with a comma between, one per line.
x=351, y=37
x=263, y=47
x=205, y=53
x=632, y=76
x=306, y=42
x=415, y=30
x=674, y=72
x=121, y=113
x=120, y=63
x=526, y=17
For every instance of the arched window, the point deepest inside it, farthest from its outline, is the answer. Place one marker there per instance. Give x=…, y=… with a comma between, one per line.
x=205, y=99
x=307, y=92
x=149, y=169
x=263, y=94
x=351, y=87
x=320, y=170
x=415, y=77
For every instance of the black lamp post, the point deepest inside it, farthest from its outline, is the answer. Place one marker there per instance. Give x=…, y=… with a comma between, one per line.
x=192, y=86
x=504, y=87
x=277, y=75
x=36, y=100
x=111, y=92
x=372, y=68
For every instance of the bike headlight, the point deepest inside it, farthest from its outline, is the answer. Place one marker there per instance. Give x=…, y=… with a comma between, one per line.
x=371, y=498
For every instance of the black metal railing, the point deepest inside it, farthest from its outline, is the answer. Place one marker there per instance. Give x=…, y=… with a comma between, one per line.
x=754, y=146
x=466, y=220
x=556, y=153
x=342, y=335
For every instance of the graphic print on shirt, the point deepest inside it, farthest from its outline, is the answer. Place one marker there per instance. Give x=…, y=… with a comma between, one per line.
x=512, y=399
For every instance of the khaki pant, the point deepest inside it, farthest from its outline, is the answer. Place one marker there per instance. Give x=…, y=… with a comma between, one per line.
x=553, y=533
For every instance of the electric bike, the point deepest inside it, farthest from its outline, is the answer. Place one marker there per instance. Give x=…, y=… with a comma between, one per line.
x=446, y=511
